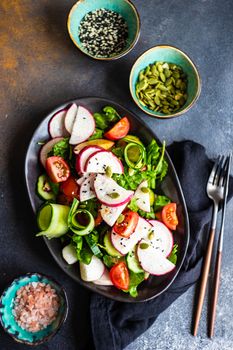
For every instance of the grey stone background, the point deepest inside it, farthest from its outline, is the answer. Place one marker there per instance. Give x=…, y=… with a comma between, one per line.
x=41, y=68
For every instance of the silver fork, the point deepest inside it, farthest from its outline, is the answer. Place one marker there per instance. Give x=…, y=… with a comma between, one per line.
x=215, y=191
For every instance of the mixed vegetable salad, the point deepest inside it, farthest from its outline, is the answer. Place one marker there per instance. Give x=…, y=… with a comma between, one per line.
x=101, y=198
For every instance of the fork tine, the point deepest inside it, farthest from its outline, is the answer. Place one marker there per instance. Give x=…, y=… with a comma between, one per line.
x=218, y=171
x=213, y=171
x=222, y=179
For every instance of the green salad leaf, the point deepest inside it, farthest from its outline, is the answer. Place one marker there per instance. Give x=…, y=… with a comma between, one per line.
x=135, y=280
x=106, y=117
x=160, y=202
x=92, y=205
x=61, y=149
x=98, y=134
x=173, y=256
x=110, y=261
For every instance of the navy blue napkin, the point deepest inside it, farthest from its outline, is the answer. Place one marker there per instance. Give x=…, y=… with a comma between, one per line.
x=116, y=324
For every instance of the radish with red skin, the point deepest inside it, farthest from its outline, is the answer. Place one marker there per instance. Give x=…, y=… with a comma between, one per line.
x=105, y=187
x=46, y=148
x=56, y=125
x=87, y=189
x=100, y=160
x=70, y=117
x=104, y=280
x=125, y=245
x=111, y=214
x=84, y=154
x=81, y=179
x=152, y=260
x=93, y=271
x=161, y=238
x=83, y=127
x=142, y=197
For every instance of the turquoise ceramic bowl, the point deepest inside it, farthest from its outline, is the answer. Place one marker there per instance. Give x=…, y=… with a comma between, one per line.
x=7, y=318
x=124, y=7
x=169, y=54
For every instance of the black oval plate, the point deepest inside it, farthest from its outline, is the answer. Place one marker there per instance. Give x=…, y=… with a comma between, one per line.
x=155, y=285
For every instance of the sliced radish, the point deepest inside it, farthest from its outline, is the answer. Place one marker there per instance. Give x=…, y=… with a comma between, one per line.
x=69, y=254
x=57, y=125
x=111, y=214
x=152, y=260
x=47, y=148
x=142, y=197
x=124, y=245
x=83, y=127
x=70, y=117
x=162, y=238
x=109, y=192
x=104, y=280
x=93, y=271
x=99, y=161
x=87, y=188
x=81, y=179
x=85, y=153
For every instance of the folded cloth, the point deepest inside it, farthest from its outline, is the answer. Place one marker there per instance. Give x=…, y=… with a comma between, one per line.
x=116, y=324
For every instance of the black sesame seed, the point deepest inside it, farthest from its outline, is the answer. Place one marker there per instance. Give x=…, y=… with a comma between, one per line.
x=103, y=33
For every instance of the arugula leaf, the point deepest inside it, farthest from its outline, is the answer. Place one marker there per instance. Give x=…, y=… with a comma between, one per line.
x=86, y=255
x=118, y=151
x=133, y=205
x=92, y=205
x=160, y=202
x=110, y=261
x=173, y=256
x=100, y=121
x=146, y=215
x=78, y=241
x=111, y=114
x=61, y=149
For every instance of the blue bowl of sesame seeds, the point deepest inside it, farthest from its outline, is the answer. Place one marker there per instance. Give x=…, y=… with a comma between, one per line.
x=103, y=29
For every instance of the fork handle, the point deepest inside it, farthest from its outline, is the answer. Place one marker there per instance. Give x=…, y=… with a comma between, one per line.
x=204, y=279
x=215, y=295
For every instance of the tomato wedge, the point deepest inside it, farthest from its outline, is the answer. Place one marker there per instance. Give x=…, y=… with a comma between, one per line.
x=127, y=226
x=169, y=216
x=119, y=130
x=70, y=187
x=119, y=276
x=57, y=168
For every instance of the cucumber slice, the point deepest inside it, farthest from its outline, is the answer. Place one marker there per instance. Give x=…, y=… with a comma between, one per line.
x=44, y=189
x=109, y=247
x=132, y=262
x=53, y=220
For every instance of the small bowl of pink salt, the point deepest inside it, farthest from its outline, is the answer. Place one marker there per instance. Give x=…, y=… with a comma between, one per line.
x=33, y=308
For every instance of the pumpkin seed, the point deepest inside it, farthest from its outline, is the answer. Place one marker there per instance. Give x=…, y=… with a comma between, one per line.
x=113, y=195
x=151, y=235
x=121, y=218
x=108, y=171
x=144, y=245
x=162, y=87
x=162, y=77
x=144, y=189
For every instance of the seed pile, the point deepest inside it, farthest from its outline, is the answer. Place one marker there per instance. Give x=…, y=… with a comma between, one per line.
x=162, y=87
x=35, y=306
x=103, y=33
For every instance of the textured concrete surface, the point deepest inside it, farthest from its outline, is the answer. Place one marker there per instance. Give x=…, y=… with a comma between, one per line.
x=41, y=68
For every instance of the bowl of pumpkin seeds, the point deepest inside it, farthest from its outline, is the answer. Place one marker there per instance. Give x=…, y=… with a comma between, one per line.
x=164, y=82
